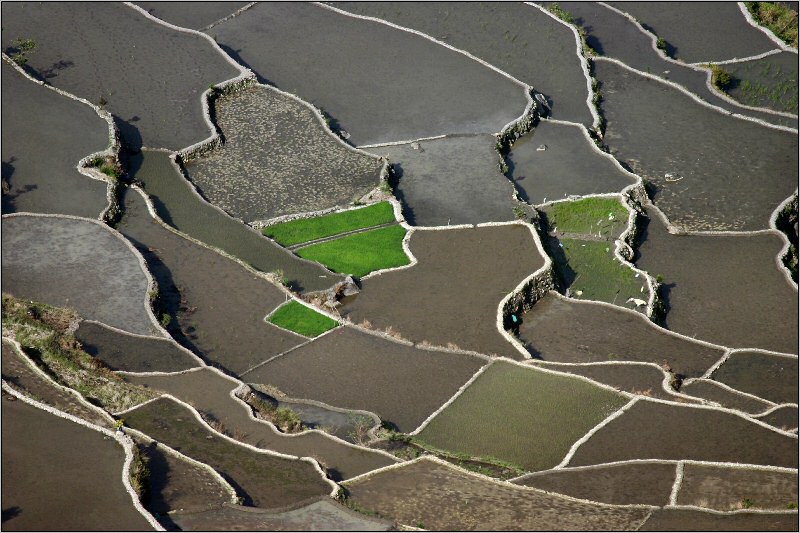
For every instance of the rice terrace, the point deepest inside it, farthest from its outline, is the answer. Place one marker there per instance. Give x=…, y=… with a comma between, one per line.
x=399, y=266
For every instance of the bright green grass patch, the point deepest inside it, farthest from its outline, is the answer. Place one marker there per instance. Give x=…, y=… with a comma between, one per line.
x=521, y=415
x=593, y=271
x=300, y=319
x=309, y=229
x=361, y=253
x=590, y=215
x=780, y=19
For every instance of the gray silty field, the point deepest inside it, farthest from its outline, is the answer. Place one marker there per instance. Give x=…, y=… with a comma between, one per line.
x=378, y=83
x=734, y=172
x=516, y=38
x=44, y=136
x=78, y=264
x=769, y=82
x=568, y=165
x=150, y=76
x=455, y=180
x=278, y=160
x=195, y=15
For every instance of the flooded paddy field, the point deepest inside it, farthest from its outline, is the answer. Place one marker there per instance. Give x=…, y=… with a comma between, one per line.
x=783, y=418
x=58, y=475
x=570, y=331
x=767, y=82
x=148, y=76
x=690, y=519
x=455, y=180
x=728, y=489
x=651, y=430
x=353, y=370
x=623, y=484
x=39, y=160
x=447, y=297
x=710, y=390
x=723, y=289
x=194, y=15
x=438, y=497
x=706, y=178
x=180, y=207
x=210, y=394
x=270, y=140
x=767, y=376
x=385, y=85
x=49, y=259
x=263, y=480
x=518, y=39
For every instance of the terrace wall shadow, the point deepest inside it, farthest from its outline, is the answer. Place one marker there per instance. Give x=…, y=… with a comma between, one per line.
x=727, y=489
x=768, y=376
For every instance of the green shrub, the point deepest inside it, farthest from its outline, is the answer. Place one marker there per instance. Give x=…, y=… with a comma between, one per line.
x=661, y=44
x=564, y=15
x=720, y=78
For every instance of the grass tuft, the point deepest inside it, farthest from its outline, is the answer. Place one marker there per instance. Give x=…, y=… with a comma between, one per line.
x=778, y=17
x=300, y=319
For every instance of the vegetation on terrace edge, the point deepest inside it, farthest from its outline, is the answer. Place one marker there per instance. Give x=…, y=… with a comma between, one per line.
x=19, y=49
x=284, y=418
x=301, y=319
x=361, y=253
x=310, y=229
x=42, y=330
x=778, y=17
x=567, y=17
x=720, y=78
x=606, y=216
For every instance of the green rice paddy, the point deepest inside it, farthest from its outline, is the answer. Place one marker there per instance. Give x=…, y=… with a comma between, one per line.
x=606, y=216
x=597, y=275
x=297, y=317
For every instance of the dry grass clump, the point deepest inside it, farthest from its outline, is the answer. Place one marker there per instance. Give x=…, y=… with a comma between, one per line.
x=285, y=419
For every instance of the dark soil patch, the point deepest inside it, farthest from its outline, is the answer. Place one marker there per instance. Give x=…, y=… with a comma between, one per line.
x=516, y=38
x=49, y=260
x=194, y=15
x=727, y=489
x=567, y=166
x=769, y=82
x=711, y=391
x=783, y=418
x=767, y=376
x=448, y=297
x=625, y=484
x=132, y=354
x=455, y=180
x=217, y=308
x=271, y=140
x=650, y=430
x=181, y=208
x=44, y=136
x=58, y=475
x=209, y=393
x=263, y=480
x=700, y=31
x=570, y=331
x=383, y=85
x=729, y=182
x=691, y=520
x=433, y=496
x=148, y=76
x=323, y=515
x=349, y=369
x=24, y=379
x=723, y=289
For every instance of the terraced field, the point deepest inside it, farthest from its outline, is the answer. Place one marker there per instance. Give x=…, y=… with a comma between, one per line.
x=372, y=266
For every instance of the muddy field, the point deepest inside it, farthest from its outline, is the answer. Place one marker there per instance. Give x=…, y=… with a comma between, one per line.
x=689, y=519
x=195, y=15
x=354, y=370
x=49, y=259
x=270, y=140
x=727, y=489
x=455, y=180
x=148, y=76
x=570, y=331
x=783, y=418
x=39, y=160
x=383, y=85
x=768, y=376
x=726, y=398
x=448, y=297
x=767, y=82
x=79, y=494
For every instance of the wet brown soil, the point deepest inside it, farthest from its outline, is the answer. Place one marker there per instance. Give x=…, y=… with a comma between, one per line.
x=263, y=480
x=650, y=430
x=723, y=289
x=132, y=354
x=767, y=376
x=44, y=136
x=49, y=260
x=782, y=418
x=432, y=496
x=711, y=391
x=691, y=520
x=570, y=331
x=633, y=483
x=349, y=369
x=209, y=393
x=194, y=15
x=727, y=489
x=383, y=85
x=217, y=307
x=148, y=76
x=58, y=475
x=448, y=297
